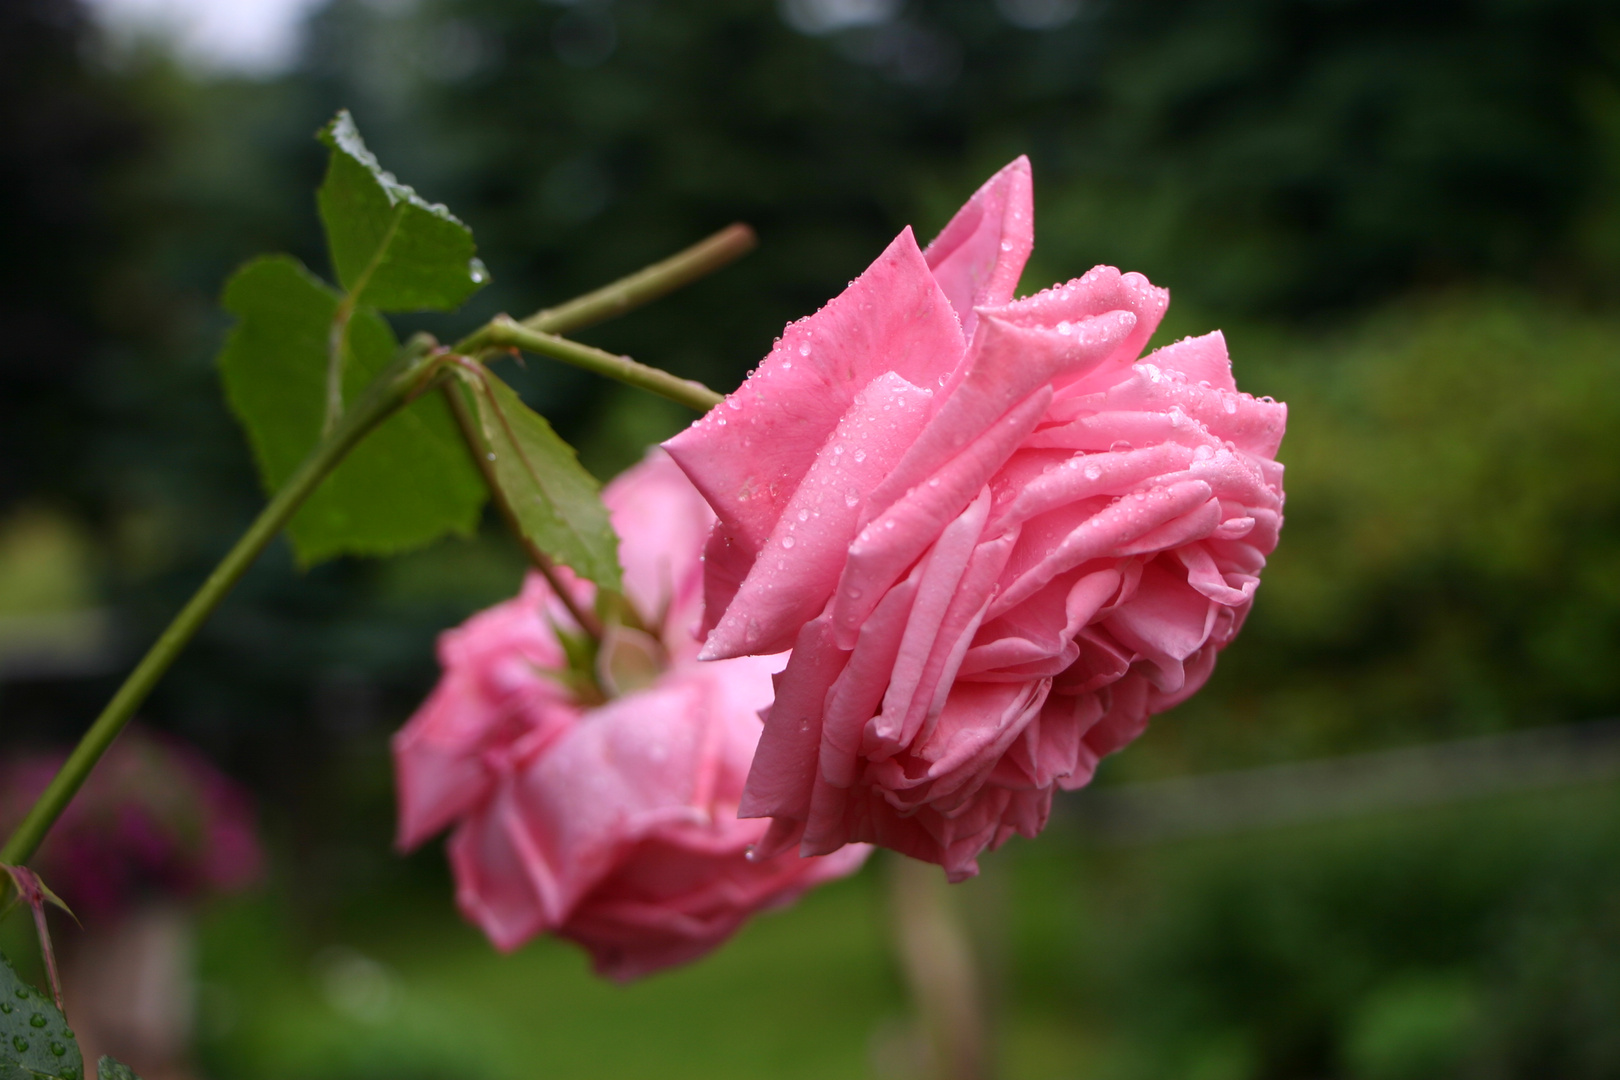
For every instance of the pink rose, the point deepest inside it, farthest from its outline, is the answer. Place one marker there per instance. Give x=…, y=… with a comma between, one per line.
x=995, y=540
x=154, y=818
x=614, y=825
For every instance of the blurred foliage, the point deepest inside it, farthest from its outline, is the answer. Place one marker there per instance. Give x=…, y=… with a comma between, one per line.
x=1452, y=562
x=1480, y=941
x=1474, y=942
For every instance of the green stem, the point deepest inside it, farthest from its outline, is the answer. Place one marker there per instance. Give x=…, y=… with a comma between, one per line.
x=409, y=375
x=683, y=268
x=506, y=332
x=412, y=373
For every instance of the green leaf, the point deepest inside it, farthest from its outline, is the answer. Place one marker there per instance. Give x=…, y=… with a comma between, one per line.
x=392, y=249
x=408, y=483
x=35, y=1042
x=556, y=502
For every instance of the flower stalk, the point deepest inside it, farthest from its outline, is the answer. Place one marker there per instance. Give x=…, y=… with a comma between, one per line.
x=419, y=368
x=410, y=374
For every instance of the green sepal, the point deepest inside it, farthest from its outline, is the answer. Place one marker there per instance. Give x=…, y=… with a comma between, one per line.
x=408, y=483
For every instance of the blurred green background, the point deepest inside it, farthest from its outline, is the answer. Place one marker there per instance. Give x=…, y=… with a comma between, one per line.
x=1406, y=217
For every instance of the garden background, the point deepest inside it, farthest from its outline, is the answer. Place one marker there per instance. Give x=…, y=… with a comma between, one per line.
x=1406, y=218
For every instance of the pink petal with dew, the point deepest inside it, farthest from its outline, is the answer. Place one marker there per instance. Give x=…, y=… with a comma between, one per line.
x=979, y=255
x=892, y=541
x=1101, y=534
x=942, y=572
x=1043, y=627
x=1066, y=308
x=748, y=455
x=1006, y=365
x=784, y=766
x=1078, y=477
x=798, y=568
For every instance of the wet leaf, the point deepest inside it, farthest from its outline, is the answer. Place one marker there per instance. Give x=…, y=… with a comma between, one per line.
x=35, y=1041
x=408, y=483
x=392, y=249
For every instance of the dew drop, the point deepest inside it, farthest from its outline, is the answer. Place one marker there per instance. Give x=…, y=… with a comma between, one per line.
x=20, y=1043
x=37, y=1020
x=58, y=1049
x=838, y=448
x=5, y=1007
x=1229, y=405
x=1093, y=471
x=804, y=350
x=851, y=498
x=787, y=541
x=1119, y=446
x=720, y=420
x=804, y=514
x=860, y=455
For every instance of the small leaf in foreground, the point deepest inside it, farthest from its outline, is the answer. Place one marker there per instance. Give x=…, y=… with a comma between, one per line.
x=35, y=1041
x=392, y=249
x=409, y=482
x=109, y=1069
x=557, y=503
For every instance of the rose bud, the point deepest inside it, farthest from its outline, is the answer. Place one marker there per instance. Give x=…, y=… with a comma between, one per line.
x=995, y=539
x=612, y=823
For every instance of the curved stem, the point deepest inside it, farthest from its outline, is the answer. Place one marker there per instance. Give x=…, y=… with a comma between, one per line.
x=683, y=268
x=409, y=375
x=505, y=332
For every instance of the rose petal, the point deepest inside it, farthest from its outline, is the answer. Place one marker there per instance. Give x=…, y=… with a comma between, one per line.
x=748, y=455
x=798, y=569
x=978, y=257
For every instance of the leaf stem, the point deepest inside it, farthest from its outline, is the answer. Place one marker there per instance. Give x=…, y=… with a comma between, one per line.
x=683, y=268
x=479, y=448
x=409, y=375
x=506, y=332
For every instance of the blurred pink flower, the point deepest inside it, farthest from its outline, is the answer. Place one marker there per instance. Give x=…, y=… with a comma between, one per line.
x=154, y=819
x=614, y=825
x=995, y=540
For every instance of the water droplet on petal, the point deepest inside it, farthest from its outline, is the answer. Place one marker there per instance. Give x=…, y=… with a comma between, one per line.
x=1120, y=445
x=787, y=541
x=1093, y=471
x=860, y=455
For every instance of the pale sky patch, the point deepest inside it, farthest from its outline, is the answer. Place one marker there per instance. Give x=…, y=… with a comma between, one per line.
x=250, y=37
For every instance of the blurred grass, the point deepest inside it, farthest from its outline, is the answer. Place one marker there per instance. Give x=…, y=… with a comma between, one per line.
x=1477, y=939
